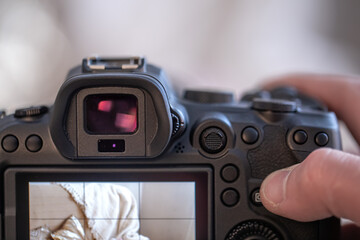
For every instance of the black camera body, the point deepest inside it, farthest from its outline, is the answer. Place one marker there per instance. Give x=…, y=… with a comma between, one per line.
x=118, y=121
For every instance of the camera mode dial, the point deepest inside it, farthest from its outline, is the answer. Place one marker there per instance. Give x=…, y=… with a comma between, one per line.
x=274, y=105
x=208, y=97
x=253, y=230
x=31, y=111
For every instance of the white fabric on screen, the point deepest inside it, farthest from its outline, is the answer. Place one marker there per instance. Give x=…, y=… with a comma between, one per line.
x=111, y=210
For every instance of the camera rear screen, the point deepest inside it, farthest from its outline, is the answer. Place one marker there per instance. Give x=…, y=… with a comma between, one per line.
x=112, y=210
x=111, y=113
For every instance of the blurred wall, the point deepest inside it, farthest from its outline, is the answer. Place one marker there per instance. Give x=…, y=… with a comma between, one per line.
x=228, y=45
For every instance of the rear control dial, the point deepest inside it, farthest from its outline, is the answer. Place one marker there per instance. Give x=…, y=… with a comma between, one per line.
x=253, y=230
x=213, y=140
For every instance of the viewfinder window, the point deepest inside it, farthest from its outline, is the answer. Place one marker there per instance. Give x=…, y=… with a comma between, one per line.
x=111, y=113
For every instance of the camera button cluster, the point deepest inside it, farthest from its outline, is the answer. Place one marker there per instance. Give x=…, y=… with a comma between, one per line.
x=230, y=197
x=250, y=135
x=229, y=173
x=34, y=143
x=300, y=137
x=10, y=143
x=321, y=139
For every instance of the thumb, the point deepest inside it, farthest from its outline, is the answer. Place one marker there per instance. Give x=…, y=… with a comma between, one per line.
x=325, y=184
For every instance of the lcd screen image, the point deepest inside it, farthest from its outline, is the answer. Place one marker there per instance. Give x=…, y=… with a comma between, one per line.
x=112, y=210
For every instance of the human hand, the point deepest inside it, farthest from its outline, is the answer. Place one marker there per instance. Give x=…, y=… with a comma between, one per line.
x=326, y=183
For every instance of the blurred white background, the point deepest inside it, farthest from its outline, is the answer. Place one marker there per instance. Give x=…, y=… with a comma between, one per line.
x=215, y=44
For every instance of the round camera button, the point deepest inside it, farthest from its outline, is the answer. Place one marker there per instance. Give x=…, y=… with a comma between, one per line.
x=321, y=139
x=300, y=137
x=229, y=173
x=250, y=135
x=34, y=143
x=10, y=143
x=230, y=197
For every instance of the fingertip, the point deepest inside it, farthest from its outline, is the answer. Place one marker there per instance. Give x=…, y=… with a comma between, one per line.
x=273, y=189
x=294, y=192
x=275, y=81
x=319, y=187
x=294, y=79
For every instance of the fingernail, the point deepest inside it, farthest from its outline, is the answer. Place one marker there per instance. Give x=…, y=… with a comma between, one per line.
x=274, y=187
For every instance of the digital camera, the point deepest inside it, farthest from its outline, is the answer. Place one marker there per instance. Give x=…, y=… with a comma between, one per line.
x=119, y=156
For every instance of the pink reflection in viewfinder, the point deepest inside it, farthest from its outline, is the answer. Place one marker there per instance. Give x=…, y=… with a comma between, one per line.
x=127, y=121
x=105, y=106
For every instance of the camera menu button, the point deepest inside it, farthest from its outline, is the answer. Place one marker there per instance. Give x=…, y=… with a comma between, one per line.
x=10, y=143
x=34, y=143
